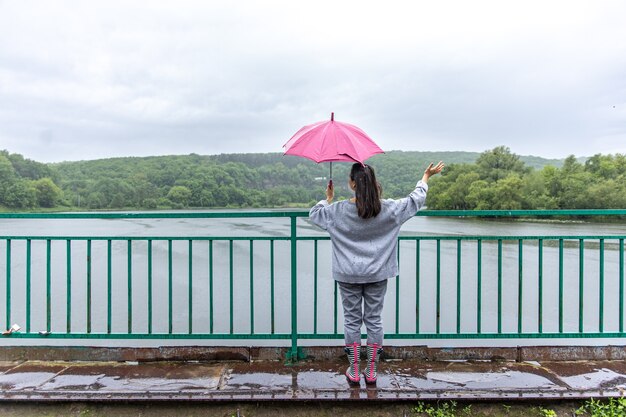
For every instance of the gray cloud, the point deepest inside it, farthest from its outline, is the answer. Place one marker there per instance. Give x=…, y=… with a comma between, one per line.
x=83, y=80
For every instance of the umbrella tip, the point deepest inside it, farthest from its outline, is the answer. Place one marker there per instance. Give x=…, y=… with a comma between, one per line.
x=332, y=116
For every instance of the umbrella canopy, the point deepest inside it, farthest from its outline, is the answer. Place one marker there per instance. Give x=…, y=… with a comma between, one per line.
x=332, y=141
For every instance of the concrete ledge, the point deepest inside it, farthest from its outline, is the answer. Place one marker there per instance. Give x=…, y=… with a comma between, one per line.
x=315, y=353
x=572, y=353
x=117, y=354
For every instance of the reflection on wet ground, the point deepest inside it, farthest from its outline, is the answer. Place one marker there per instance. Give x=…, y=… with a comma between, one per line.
x=321, y=380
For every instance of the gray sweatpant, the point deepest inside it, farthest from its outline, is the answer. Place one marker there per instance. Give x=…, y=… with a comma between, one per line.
x=363, y=303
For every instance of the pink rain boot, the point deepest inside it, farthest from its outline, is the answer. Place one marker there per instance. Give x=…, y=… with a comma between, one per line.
x=373, y=353
x=352, y=373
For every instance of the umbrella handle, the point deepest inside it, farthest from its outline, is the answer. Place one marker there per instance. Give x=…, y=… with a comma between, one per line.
x=330, y=181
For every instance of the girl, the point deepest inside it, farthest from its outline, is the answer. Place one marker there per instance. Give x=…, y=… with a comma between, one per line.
x=364, y=238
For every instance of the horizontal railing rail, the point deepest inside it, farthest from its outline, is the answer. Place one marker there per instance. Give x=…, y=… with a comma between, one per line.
x=301, y=213
x=223, y=287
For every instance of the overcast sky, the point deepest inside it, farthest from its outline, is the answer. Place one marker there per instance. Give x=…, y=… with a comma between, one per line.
x=93, y=79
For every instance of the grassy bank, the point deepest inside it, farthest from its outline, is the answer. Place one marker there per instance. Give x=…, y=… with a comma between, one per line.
x=320, y=409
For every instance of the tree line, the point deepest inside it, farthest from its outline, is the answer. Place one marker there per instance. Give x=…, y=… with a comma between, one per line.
x=499, y=180
x=494, y=179
x=26, y=184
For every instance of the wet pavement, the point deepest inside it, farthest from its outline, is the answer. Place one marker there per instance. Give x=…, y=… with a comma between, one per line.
x=316, y=380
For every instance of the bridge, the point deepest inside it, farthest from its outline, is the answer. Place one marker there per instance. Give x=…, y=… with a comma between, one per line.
x=137, y=297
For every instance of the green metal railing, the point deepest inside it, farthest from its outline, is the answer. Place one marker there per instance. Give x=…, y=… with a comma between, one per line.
x=460, y=287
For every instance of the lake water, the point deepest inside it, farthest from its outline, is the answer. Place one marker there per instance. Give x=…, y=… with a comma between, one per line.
x=258, y=289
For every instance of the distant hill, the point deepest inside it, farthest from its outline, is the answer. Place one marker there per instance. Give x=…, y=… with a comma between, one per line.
x=225, y=180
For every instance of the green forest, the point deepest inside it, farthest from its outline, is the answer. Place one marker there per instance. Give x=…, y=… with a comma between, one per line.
x=494, y=179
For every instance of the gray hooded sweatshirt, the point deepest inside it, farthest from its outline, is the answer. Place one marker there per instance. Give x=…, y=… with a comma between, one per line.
x=366, y=250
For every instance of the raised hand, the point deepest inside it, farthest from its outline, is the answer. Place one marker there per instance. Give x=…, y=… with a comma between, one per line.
x=330, y=191
x=432, y=170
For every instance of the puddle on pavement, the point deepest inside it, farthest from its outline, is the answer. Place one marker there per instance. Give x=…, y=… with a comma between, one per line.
x=496, y=380
x=321, y=380
x=599, y=378
x=258, y=381
x=27, y=380
x=114, y=384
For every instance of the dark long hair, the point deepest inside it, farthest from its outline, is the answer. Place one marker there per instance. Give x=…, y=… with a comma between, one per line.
x=368, y=190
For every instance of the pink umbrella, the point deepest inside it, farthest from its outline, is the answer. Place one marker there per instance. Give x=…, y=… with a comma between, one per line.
x=332, y=141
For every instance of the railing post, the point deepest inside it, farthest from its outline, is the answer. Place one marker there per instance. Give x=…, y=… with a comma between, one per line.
x=8, y=290
x=28, y=283
x=293, y=354
x=48, y=285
